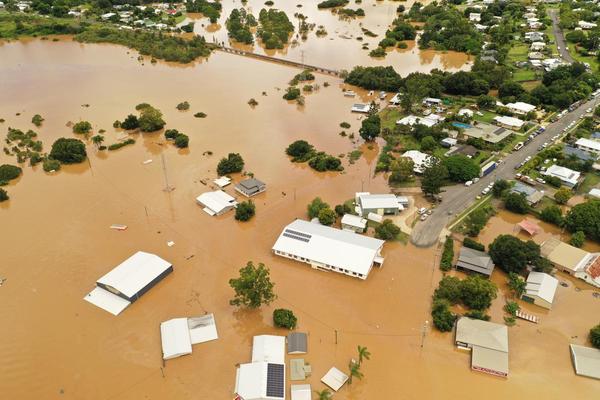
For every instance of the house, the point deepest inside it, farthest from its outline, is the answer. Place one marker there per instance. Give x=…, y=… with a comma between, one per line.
x=432, y=101
x=582, y=155
x=481, y=27
x=448, y=142
x=334, y=378
x=382, y=204
x=250, y=187
x=179, y=334
x=471, y=260
x=591, y=146
x=567, y=176
x=465, y=112
x=586, y=361
x=537, y=46
x=595, y=193
x=396, y=99
x=532, y=195
x=420, y=160
x=216, y=203
x=411, y=120
x=128, y=281
x=535, y=55
x=329, y=249
x=475, y=17
x=107, y=16
x=264, y=377
x=573, y=261
x=586, y=25
x=509, y=122
x=354, y=223
x=534, y=36
x=535, y=24
x=361, y=108
x=297, y=343
x=488, y=343
x=540, y=289
x=520, y=108
x=222, y=181
x=301, y=392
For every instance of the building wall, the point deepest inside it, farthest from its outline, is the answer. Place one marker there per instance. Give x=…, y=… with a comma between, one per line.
x=141, y=291
x=538, y=301
x=321, y=266
x=353, y=228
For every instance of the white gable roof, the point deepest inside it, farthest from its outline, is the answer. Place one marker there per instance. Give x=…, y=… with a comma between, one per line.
x=135, y=273
x=175, y=338
x=375, y=201
x=216, y=201
x=330, y=246
x=592, y=144
x=354, y=220
x=541, y=285
x=268, y=348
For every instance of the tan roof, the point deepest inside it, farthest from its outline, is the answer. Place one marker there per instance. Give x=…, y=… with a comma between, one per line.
x=482, y=334
x=562, y=254
x=489, y=360
x=586, y=361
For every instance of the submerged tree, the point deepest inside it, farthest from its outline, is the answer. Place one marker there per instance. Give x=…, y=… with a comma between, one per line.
x=253, y=288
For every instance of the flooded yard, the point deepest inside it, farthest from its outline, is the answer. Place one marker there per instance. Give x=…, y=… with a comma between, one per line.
x=56, y=241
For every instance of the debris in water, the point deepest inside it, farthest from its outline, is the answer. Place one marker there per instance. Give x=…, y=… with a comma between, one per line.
x=170, y=243
x=147, y=162
x=118, y=227
x=2, y=280
x=190, y=257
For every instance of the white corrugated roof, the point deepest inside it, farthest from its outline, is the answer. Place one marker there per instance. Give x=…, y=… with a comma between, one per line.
x=334, y=378
x=135, y=273
x=354, y=220
x=329, y=246
x=301, y=392
x=595, y=193
x=521, y=106
x=175, y=338
x=216, y=201
x=107, y=301
x=511, y=121
x=251, y=381
x=376, y=201
x=268, y=348
x=482, y=333
x=541, y=285
x=586, y=361
x=563, y=173
x=592, y=144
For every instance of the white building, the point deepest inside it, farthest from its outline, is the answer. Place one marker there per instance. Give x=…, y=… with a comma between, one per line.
x=420, y=160
x=520, y=107
x=586, y=361
x=540, y=289
x=107, y=16
x=264, y=377
x=382, y=204
x=361, y=108
x=216, y=203
x=591, y=146
x=329, y=249
x=509, y=122
x=397, y=99
x=432, y=101
x=567, y=176
x=586, y=25
x=354, y=223
x=595, y=193
x=465, y=112
x=537, y=46
x=411, y=120
x=177, y=335
x=475, y=17
x=488, y=343
x=129, y=280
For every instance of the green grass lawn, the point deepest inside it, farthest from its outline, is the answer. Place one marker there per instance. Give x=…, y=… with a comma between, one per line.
x=389, y=116
x=518, y=52
x=545, y=202
x=487, y=117
x=522, y=74
x=591, y=180
x=552, y=40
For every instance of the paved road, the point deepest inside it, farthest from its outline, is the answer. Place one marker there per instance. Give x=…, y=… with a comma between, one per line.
x=457, y=198
x=561, y=43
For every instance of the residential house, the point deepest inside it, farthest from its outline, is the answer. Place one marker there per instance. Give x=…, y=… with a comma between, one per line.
x=586, y=25
x=591, y=146
x=532, y=195
x=361, y=108
x=581, y=155
x=520, y=108
x=540, y=289
x=509, y=122
x=573, y=261
x=251, y=187
x=411, y=120
x=567, y=176
x=216, y=203
x=420, y=160
x=382, y=204
x=475, y=17
x=179, y=334
x=471, y=260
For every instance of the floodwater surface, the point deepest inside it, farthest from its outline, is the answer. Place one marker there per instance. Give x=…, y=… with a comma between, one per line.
x=56, y=243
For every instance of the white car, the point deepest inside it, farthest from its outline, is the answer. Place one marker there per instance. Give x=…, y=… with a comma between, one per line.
x=423, y=217
x=485, y=191
x=468, y=183
x=475, y=180
x=422, y=210
x=540, y=180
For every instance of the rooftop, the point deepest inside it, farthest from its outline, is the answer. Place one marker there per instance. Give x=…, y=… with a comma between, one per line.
x=376, y=201
x=586, y=361
x=591, y=144
x=475, y=260
x=563, y=254
x=541, y=285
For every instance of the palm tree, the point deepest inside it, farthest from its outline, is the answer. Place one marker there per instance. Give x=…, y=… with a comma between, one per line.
x=324, y=394
x=363, y=354
x=97, y=140
x=354, y=371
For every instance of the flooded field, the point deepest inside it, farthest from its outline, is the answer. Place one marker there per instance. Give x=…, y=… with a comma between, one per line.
x=56, y=242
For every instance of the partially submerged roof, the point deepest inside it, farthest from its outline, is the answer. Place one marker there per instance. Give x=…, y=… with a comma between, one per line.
x=107, y=301
x=179, y=334
x=482, y=333
x=586, y=361
x=563, y=254
x=251, y=183
x=529, y=226
x=135, y=273
x=301, y=392
x=297, y=343
x=222, y=181
x=260, y=380
x=475, y=260
x=330, y=246
x=268, y=348
x=334, y=378
x=541, y=285
x=216, y=201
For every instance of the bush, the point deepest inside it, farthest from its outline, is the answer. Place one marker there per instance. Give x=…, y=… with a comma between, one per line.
x=326, y=216
x=332, y=3
x=461, y=168
x=130, y=122
x=472, y=244
x=447, y=255
x=345, y=125
x=443, y=318
x=552, y=214
x=233, y=163
x=291, y=93
x=68, y=151
x=50, y=165
x=511, y=307
x=183, y=106
x=325, y=162
x=37, y=120
x=387, y=230
x=9, y=172
x=3, y=195
x=171, y=134
x=553, y=181
x=300, y=151
x=82, y=128
x=500, y=186
x=577, y=239
x=595, y=336
x=315, y=207
x=245, y=211
x=563, y=195
x=182, y=141
x=117, y=146
x=200, y=115
x=283, y=318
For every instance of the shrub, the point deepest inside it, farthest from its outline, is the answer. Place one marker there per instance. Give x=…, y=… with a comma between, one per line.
x=325, y=162
x=443, y=318
x=82, y=128
x=552, y=214
x=315, y=207
x=595, y=336
x=517, y=203
x=500, y=186
x=283, y=318
x=200, y=115
x=563, y=195
x=447, y=255
x=116, y=146
x=37, y=120
x=327, y=216
x=3, y=195
x=478, y=314
x=9, y=172
x=387, y=230
x=345, y=125
x=577, y=239
x=68, y=151
x=291, y=93
x=182, y=141
x=300, y=151
x=171, y=134
x=245, y=211
x=511, y=307
x=233, y=163
x=130, y=122
x=50, y=165
x=183, y=106
x=472, y=244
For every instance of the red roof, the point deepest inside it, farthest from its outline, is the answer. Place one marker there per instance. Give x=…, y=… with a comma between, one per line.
x=594, y=269
x=529, y=227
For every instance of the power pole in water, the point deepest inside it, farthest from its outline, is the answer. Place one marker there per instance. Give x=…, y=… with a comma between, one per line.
x=424, y=333
x=167, y=188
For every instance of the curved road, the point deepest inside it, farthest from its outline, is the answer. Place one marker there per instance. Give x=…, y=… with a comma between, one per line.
x=458, y=198
x=561, y=43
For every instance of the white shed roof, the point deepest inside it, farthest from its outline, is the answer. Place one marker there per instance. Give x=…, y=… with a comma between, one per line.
x=216, y=201
x=334, y=378
x=541, y=285
x=586, y=361
x=175, y=338
x=260, y=381
x=354, y=220
x=301, y=392
x=268, y=348
x=107, y=301
x=135, y=273
x=376, y=201
x=521, y=106
x=595, y=192
x=330, y=246
x=510, y=121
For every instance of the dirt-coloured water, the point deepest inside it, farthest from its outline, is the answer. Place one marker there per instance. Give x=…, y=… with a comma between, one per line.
x=56, y=242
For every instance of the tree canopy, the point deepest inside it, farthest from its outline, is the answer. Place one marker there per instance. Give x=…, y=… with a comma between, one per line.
x=512, y=254
x=461, y=168
x=230, y=164
x=584, y=217
x=253, y=288
x=68, y=151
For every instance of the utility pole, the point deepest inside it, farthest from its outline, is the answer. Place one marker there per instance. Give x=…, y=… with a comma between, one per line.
x=424, y=333
x=167, y=188
x=302, y=57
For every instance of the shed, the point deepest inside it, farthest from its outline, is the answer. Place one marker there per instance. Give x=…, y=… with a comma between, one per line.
x=297, y=343
x=216, y=203
x=488, y=343
x=540, y=289
x=586, y=361
x=595, y=193
x=129, y=280
x=260, y=381
x=268, y=348
x=354, y=223
x=179, y=334
x=222, y=181
x=472, y=260
x=530, y=227
x=250, y=187
x=334, y=378
x=361, y=108
x=448, y=142
x=301, y=392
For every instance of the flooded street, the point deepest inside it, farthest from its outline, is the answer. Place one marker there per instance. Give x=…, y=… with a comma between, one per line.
x=56, y=240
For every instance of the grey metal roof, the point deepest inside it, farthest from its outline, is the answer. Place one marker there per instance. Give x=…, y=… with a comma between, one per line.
x=580, y=154
x=297, y=342
x=522, y=188
x=475, y=260
x=586, y=361
x=251, y=183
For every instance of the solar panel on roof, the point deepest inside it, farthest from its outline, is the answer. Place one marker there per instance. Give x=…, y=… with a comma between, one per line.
x=295, y=237
x=275, y=380
x=293, y=232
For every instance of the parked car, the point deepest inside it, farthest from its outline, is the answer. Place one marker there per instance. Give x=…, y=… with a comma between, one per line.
x=468, y=183
x=518, y=146
x=540, y=180
x=424, y=217
x=422, y=210
x=475, y=180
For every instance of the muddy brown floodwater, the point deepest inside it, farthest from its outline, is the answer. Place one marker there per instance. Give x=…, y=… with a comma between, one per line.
x=56, y=242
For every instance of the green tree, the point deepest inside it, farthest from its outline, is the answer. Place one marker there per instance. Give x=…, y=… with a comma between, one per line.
x=284, y=318
x=500, y=186
x=581, y=218
x=300, y=151
x=50, y=165
x=512, y=254
x=315, y=207
x=324, y=394
x=3, y=195
x=563, y=195
x=447, y=255
x=363, y=354
x=542, y=264
x=182, y=141
x=233, y=163
x=577, y=239
x=516, y=284
x=82, y=128
x=37, y=120
x=443, y=318
x=461, y=168
x=477, y=314
x=68, y=151
x=595, y=336
x=150, y=119
x=245, y=211
x=428, y=144
x=387, y=230
x=326, y=216
x=401, y=170
x=552, y=214
x=450, y=289
x=370, y=128
x=516, y=202
x=98, y=140
x=478, y=292
x=130, y=122
x=253, y=288
x=355, y=372
x=9, y=172
x=433, y=178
